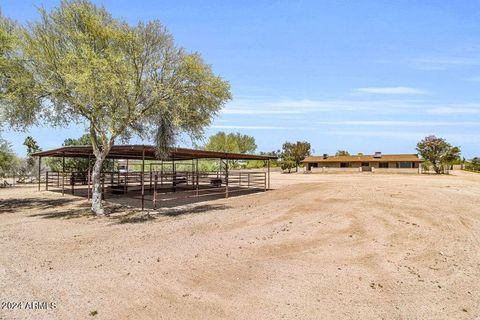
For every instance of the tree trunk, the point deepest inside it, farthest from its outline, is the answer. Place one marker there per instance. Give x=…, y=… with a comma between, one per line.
x=97, y=206
x=436, y=168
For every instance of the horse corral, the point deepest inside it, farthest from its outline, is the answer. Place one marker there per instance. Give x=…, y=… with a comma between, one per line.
x=174, y=176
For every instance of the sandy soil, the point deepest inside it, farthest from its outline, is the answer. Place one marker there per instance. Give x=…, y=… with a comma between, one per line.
x=356, y=246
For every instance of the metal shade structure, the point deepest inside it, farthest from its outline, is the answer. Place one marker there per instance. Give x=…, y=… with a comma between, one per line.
x=193, y=179
x=147, y=152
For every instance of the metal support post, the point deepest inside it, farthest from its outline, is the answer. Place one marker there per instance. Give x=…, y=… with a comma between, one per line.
x=197, y=178
x=268, y=170
x=155, y=192
x=143, y=178
x=39, y=171
x=63, y=174
x=226, y=178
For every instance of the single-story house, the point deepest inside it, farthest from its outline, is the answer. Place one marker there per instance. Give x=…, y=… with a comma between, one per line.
x=376, y=162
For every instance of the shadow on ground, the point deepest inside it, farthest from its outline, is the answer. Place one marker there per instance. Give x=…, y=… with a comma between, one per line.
x=65, y=214
x=139, y=217
x=120, y=209
x=53, y=209
x=164, y=200
x=15, y=205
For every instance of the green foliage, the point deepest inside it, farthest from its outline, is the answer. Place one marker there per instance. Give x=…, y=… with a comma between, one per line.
x=288, y=163
x=426, y=166
x=7, y=39
x=438, y=152
x=275, y=153
x=32, y=147
x=79, y=64
x=208, y=166
x=295, y=152
x=31, y=144
x=123, y=80
x=473, y=165
x=254, y=164
x=180, y=165
x=76, y=164
x=17, y=84
x=232, y=142
x=8, y=160
x=342, y=153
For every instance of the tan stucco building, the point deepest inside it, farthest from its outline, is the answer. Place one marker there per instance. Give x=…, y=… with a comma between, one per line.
x=378, y=163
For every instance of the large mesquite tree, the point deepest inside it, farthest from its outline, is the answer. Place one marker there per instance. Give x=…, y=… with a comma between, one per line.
x=78, y=64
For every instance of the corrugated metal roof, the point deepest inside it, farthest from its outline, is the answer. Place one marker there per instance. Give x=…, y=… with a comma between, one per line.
x=364, y=158
x=136, y=151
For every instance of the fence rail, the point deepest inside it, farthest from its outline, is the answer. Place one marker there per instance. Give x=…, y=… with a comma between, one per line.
x=156, y=183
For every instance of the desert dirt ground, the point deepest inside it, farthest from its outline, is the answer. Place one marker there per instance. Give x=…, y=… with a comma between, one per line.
x=338, y=246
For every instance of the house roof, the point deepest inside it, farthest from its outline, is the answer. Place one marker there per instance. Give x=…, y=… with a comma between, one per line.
x=136, y=151
x=364, y=158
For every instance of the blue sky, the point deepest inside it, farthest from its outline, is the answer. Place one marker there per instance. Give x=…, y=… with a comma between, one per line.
x=363, y=76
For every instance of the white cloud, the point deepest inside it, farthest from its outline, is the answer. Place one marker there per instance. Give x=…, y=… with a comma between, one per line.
x=472, y=79
x=387, y=123
x=249, y=110
x=287, y=107
x=442, y=63
x=248, y=127
x=455, y=109
x=432, y=63
x=390, y=90
x=448, y=61
x=385, y=134
x=410, y=136
x=306, y=108
x=276, y=107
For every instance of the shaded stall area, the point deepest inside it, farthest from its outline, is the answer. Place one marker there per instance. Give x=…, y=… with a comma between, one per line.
x=137, y=176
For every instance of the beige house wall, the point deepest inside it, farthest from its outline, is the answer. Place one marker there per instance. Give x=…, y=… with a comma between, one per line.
x=334, y=170
x=329, y=165
x=356, y=167
x=353, y=165
x=397, y=170
x=337, y=165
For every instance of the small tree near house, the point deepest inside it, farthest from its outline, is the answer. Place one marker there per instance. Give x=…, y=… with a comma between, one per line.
x=296, y=152
x=288, y=164
x=438, y=152
x=473, y=164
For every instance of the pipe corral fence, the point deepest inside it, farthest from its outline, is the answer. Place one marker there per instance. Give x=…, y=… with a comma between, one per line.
x=156, y=181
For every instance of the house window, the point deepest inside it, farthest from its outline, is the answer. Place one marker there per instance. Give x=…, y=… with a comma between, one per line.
x=404, y=165
x=365, y=164
x=344, y=165
x=383, y=165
